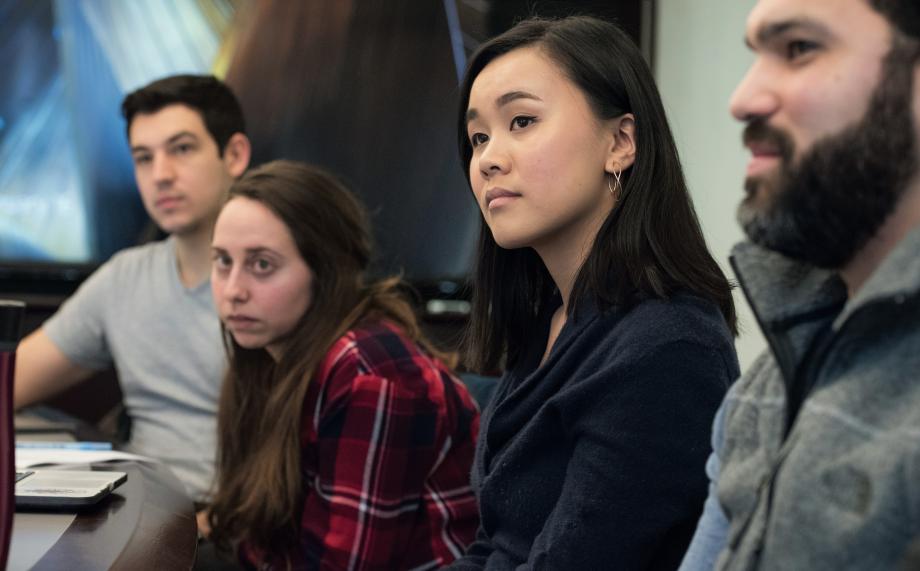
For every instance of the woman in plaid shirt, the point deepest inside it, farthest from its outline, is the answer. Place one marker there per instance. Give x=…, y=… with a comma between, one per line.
x=345, y=442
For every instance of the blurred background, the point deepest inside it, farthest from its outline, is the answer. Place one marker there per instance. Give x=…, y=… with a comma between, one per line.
x=366, y=88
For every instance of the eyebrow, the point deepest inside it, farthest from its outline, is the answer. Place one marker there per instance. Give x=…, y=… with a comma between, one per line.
x=260, y=250
x=502, y=101
x=169, y=141
x=769, y=32
x=250, y=252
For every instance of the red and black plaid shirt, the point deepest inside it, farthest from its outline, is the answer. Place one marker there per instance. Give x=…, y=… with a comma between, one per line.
x=387, y=446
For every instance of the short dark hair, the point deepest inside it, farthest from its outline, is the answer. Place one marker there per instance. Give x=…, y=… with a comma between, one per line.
x=904, y=15
x=650, y=245
x=209, y=96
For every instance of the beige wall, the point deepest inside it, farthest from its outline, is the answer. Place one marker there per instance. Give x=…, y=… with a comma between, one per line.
x=700, y=57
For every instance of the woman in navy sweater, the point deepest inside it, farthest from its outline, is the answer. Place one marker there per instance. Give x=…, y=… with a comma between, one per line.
x=595, y=291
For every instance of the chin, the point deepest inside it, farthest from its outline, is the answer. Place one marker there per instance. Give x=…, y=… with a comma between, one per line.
x=511, y=240
x=178, y=227
x=169, y=228
x=249, y=343
x=759, y=193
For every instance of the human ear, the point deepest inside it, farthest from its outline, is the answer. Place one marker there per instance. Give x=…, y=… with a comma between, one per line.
x=622, y=152
x=237, y=153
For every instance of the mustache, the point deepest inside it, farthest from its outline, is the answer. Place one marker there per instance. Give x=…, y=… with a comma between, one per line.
x=758, y=132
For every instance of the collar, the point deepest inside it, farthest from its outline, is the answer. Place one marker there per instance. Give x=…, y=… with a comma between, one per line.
x=791, y=300
x=896, y=279
x=782, y=291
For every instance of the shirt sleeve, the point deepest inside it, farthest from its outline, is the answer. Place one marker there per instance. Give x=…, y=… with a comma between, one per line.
x=376, y=445
x=635, y=480
x=712, y=530
x=78, y=327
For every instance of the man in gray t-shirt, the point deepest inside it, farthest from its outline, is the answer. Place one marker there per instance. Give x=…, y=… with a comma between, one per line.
x=148, y=310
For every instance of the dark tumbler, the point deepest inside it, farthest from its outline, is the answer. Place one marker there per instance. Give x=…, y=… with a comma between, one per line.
x=11, y=313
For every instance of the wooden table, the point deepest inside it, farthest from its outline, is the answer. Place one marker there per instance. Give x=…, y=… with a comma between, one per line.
x=146, y=523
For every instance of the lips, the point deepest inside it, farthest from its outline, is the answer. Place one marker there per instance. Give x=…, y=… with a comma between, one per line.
x=168, y=202
x=764, y=157
x=760, y=149
x=240, y=322
x=770, y=146
x=496, y=197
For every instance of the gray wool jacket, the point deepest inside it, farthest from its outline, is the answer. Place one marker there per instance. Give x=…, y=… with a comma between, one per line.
x=836, y=486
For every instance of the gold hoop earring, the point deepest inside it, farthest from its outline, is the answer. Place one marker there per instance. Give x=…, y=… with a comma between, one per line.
x=616, y=174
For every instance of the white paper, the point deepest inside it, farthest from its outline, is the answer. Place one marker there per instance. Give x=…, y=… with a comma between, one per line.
x=32, y=457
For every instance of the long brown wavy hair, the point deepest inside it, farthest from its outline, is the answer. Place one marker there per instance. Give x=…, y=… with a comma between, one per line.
x=259, y=488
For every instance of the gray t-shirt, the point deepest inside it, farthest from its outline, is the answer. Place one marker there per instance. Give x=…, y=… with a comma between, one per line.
x=164, y=341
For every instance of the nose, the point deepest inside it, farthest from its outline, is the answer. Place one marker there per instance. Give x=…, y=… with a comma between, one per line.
x=756, y=96
x=164, y=172
x=235, y=289
x=493, y=158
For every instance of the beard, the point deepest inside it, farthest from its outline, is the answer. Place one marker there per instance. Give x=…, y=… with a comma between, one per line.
x=826, y=207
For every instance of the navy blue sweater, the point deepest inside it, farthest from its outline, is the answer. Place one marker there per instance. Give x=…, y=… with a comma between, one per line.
x=595, y=460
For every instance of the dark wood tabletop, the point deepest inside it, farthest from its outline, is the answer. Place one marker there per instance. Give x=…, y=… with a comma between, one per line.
x=146, y=523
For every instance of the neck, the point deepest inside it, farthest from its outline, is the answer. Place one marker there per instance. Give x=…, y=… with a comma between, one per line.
x=193, y=255
x=905, y=218
x=564, y=253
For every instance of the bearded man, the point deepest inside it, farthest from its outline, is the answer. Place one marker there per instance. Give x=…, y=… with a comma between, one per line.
x=816, y=460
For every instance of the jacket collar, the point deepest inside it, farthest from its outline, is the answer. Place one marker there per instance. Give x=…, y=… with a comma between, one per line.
x=792, y=300
x=781, y=290
x=896, y=279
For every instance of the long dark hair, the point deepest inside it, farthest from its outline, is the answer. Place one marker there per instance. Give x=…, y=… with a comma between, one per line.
x=650, y=245
x=259, y=482
x=903, y=15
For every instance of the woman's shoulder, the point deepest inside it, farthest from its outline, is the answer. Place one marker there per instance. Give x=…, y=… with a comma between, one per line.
x=654, y=329
x=381, y=341
x=379, y=355
x=681, y=319
x=658, y=342
x=378, y=348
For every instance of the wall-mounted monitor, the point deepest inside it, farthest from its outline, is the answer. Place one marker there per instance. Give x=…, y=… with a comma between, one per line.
x=366, y=89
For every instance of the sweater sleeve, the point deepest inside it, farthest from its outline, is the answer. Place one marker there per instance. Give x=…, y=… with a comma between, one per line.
x=635, y=483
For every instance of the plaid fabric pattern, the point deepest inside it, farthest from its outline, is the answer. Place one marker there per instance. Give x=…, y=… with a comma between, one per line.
x=388, y=439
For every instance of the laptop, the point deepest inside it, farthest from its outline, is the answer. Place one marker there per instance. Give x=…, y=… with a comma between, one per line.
x=49, y=489
x=64, y=489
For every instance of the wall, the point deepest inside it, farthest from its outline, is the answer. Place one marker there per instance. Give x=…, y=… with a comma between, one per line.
x=699, y=58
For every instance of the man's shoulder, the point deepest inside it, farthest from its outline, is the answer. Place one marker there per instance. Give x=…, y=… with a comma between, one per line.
x=130, y=263
x=142, y=254
x=760, y=384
